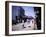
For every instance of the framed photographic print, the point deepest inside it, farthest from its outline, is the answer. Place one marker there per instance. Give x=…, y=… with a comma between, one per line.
x=24, y=18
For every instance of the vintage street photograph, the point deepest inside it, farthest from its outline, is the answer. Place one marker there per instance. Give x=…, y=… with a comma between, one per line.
x=26, y=18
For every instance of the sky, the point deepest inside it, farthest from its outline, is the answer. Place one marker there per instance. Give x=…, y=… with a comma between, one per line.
x=29, y=11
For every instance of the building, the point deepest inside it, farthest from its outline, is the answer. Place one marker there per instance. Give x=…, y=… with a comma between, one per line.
x=17, y=14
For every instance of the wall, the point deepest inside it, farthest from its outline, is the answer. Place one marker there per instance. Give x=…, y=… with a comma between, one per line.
x=2, y=19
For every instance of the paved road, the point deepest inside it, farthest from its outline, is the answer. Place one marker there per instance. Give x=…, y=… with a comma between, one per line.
x=27, y=26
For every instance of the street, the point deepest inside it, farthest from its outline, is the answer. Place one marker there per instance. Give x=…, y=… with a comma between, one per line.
x=25, y=26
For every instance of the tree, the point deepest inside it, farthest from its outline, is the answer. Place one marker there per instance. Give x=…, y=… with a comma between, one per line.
x=38, y=18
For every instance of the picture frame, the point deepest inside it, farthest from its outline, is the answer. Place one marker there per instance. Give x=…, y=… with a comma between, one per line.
x=13, y=27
